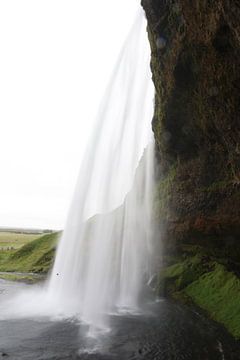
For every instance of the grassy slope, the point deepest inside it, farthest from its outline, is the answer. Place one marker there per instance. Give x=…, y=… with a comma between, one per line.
x=201, y=279
x=218, y=292
x=15, y=240
x=35, y=256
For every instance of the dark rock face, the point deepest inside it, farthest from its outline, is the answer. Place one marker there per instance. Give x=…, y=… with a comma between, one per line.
x=196, y=71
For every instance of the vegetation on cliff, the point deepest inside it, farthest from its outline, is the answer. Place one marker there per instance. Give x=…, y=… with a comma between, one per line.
x=195, y=65
x=200, y=277
x=35, y=257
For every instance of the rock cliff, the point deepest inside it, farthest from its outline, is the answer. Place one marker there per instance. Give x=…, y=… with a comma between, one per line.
x=196, y=71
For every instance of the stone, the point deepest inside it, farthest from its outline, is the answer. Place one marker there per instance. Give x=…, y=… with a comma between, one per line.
x=161, y=43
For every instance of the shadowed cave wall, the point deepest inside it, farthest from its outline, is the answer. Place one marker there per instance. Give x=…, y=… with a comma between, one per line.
x=195, y=64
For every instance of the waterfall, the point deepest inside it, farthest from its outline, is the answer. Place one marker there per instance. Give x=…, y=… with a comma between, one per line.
x=105, y=250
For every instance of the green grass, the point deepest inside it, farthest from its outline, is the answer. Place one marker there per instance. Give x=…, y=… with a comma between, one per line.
x=201, y=279
x=30, y=279
x=35, y=256
x=218, y=292
x=176, y=277
x=12, y=240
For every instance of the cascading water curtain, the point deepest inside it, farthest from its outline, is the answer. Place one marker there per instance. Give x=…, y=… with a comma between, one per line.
x=104, y=255
x=105, y=249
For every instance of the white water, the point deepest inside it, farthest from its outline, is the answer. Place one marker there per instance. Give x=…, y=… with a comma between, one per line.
x=101, y=262
x=104, y=254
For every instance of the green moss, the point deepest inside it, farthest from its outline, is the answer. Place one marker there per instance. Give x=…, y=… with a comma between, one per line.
x=163, y=192
x=218, y=292
x=198, y=277
x=176, y=277
x=217, y=185
x=36, y=256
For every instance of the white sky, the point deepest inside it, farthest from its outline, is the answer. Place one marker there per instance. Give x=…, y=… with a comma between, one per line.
x=56, y=57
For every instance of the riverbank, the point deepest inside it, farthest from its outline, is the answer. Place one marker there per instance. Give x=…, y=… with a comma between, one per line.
x=163, y=331
x=195, y=275
x=27, y=278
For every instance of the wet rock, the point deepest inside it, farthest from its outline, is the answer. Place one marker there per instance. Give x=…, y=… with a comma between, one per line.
x=161, y=43
x=196, y=119
x=213, y=91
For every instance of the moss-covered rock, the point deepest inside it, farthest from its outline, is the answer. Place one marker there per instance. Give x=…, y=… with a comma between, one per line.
x=195, y=64
x=203, y=277
x=218, y=292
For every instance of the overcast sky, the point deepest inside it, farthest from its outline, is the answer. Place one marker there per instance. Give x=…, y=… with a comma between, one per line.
x=56, y=57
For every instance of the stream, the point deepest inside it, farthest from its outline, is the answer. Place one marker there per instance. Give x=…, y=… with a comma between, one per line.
x=165, y=331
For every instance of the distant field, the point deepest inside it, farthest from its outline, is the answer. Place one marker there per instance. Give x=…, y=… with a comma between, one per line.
x=14, y=241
